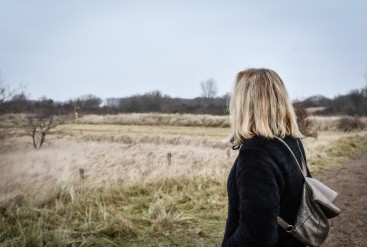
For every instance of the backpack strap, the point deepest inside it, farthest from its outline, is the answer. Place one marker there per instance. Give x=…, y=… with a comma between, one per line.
x=284, y=225
x=303, y=167
x=280, y=221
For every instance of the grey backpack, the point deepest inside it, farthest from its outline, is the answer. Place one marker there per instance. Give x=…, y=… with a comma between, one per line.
x=316, y=208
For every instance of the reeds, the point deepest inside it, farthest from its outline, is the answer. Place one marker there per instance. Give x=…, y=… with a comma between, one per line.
x=157, y=119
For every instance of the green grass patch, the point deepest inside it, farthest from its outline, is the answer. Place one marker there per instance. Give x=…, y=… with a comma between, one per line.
x=347, y=147
x=338, y=151
x=172, y=212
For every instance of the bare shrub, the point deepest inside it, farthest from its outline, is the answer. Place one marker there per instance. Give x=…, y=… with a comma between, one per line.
x=5, y=91
x=304, y=123
x=38, y=126
x=348, y=124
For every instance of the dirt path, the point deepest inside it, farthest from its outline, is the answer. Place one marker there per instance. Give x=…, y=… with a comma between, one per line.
x=350, y=180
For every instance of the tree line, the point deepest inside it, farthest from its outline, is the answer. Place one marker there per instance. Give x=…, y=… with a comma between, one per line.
x=353, y=103
x=90, y=104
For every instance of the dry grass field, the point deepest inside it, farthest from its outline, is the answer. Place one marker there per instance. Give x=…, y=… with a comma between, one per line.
x=144, y=185
x=157, y=119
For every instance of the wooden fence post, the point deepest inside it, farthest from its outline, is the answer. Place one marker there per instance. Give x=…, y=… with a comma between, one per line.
x=169, y=158
x=81, y=174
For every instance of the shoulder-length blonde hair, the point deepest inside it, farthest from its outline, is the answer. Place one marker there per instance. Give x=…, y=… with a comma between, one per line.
x=260, y=105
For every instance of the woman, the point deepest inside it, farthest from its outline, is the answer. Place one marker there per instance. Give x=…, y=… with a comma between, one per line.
x=264, y=181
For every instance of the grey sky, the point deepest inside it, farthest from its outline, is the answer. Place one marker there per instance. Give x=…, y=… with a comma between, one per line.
x=65, y=49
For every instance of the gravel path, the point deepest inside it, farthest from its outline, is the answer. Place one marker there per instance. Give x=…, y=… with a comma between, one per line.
x=350, y=181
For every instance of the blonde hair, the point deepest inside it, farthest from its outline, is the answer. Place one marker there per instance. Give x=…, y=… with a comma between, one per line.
x=260, y=105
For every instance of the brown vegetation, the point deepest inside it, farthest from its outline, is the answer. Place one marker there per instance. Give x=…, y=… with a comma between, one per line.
x=139, y=186
x=303, y=122
x=320, y=123
x=347, y=124
x=158, y=119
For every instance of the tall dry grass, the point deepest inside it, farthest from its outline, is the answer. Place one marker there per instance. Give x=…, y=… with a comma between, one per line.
x=318, y=123
x=157, y=119
x=331, y=123
x=106, y=159
x=143, y=130
x=131, y=194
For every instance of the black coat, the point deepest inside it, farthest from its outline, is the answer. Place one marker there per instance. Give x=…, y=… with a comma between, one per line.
x=264, y=182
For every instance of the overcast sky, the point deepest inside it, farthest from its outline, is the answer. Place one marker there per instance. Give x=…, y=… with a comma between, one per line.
x=65, y=49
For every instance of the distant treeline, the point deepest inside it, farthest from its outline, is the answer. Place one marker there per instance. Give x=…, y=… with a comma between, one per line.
x=89, y=104
x=353, y=103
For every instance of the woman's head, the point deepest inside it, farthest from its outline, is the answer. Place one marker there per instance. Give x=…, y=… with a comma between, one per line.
x=260, y=105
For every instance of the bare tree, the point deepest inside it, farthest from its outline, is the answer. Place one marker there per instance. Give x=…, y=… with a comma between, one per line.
x=5, y=91
x=89, y=102
x=209, y=88
x=18, y=103
x=38, y=126
x=112, y=102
